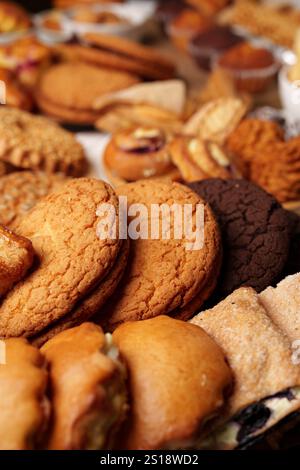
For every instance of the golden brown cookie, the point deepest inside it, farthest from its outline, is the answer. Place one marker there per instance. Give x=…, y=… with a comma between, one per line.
x=139, y=153
x=36, y=143
x=177, y=379
x=16, y=257
x=198, y=159
x=91, y=305
x=277, y=170
x=20, y=191
x=250, y=139
x=124, y=54
x=24, y=408
x=72, y=259
x=87, y=387
x=163, y=275
x=68, y=91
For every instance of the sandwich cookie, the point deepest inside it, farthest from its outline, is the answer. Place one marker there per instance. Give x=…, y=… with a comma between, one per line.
x=163, y=353
x=24, y=408
x=266, y=381
x=165, y=273
x=67, y=91
x=87, y=387
x=91, y=305
x=255, y=232
x=71, y=258
x=36, y=143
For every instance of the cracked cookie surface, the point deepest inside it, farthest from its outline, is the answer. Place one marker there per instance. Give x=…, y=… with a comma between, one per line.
x=255, y=232
x=36, y=143
x=20, y=191
x=72, y=260
x=162, y=276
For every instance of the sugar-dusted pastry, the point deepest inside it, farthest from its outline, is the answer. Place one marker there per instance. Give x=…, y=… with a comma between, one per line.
x=24, y=407
x=87, y=389
x=266, y=381
x=178, y=383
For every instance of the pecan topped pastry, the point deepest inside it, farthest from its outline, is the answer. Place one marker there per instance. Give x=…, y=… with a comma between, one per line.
x=137, y=154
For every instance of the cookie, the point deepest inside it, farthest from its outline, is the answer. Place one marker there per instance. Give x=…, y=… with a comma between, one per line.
x=163, y=275
x=20, y=191
x=16, y=257
x=277, y=170
x=124, y=54
x=91, y=305
x=72, y=259
x=200, y=159
x=63, y=92
x=255, y=232
x=250, y=139
x=139, y=153
x=36, y=143
x=87, y=386
x=24, y=407
x=162, y=353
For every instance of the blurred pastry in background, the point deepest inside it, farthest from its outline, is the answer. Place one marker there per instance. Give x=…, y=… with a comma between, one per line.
x=67, y=91
x=198, y=159
x=209, y=7
x=155, y=104
x=217, y=119
x=72, y=3
x=207, y=46
x=251, y=68
x=123, y=54
x=186, y=25
x=27, y=57
x=15, y=94
x=88, y=15
x=278, y=25
x=167, y=9
x=13, y=18
x=139, y=153
x=249, y=140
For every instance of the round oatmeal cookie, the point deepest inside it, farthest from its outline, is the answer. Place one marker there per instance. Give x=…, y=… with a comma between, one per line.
x=20, y=191
x=255, y=231
x=71, y=258
x=36, y=143
x=163, y=276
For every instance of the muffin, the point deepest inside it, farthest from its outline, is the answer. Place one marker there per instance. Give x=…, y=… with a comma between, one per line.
x=251, y=68
x=13, y=18
x=185, y=26
x=207, y=46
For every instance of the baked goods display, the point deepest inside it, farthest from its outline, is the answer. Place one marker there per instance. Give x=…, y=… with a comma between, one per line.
x=149, y=226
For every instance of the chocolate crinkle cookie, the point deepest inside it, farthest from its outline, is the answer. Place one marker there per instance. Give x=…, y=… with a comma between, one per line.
x=255, y=231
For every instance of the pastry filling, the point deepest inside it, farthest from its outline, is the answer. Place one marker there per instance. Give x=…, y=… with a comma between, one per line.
x=101, y=425
x=141, y=141
x=253, y=420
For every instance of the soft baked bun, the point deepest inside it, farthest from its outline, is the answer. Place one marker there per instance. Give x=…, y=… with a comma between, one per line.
x=177, y=379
